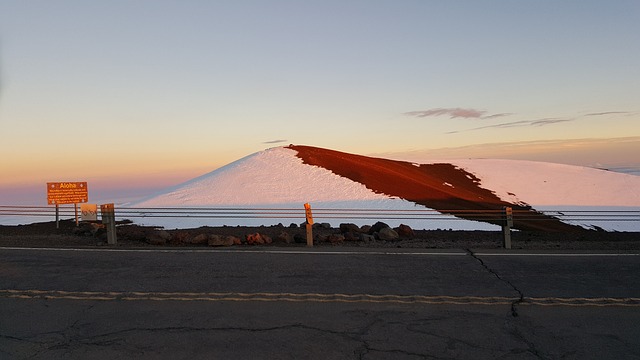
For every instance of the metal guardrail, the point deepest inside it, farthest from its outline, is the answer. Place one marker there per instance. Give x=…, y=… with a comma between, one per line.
x=334, y=213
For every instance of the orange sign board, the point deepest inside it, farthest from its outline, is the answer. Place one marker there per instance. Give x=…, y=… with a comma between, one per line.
x=67, y=193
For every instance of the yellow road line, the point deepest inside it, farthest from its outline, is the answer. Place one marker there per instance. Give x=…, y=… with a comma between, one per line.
x=314, y=297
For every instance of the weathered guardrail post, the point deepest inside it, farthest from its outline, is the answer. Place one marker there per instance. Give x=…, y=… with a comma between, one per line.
x=506, y=226
x=309, y=224
x=109, y=221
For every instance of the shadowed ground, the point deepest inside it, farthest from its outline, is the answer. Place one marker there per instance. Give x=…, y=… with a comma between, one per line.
x=442, y=187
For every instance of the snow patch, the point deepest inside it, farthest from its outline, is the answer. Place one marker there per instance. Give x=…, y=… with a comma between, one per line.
x=545, y=184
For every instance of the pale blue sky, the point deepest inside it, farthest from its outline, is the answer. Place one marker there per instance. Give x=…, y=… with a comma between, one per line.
x=131, y=92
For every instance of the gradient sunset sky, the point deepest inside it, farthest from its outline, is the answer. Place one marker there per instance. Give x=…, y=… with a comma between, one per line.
x=133, y=96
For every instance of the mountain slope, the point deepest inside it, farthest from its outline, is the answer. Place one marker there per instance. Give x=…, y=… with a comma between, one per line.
x=287, y=177
x=273, y=176
x=443, y=187
x=544, y=185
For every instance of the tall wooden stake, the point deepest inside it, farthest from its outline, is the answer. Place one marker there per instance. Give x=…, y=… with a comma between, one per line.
x=309, y=224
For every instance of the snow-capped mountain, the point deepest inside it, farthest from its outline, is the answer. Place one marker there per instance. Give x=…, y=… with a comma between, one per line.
x=288, y=177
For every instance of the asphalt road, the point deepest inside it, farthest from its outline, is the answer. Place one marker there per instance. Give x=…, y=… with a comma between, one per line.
x=293, y=303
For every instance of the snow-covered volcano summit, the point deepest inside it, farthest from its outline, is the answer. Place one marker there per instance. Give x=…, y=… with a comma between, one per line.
x=291, y=176
x=274, y=176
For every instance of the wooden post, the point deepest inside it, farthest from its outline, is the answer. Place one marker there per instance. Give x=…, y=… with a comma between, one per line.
x=75, y=208
x=506, y=226
x=309, y=224
x=57, y=216
x=109, y=220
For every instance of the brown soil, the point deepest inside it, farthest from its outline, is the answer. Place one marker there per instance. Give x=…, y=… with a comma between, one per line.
x=46, y=235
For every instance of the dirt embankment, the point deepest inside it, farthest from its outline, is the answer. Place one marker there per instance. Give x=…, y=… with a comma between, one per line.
x=68, y=235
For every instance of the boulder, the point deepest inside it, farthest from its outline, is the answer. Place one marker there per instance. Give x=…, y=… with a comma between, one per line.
x=81, y=230
x=349, y=227
x=300, y=239
x=388, y=234
x=335, y=238
x=179, y=237
x=101, y=233
x=323, y=225
x=215, y=240
x=351, y=236
x=254, y=239
x=87, y=229
x=267, y=239
x=222, y=240
x=158, y=237
x=367, y=238
x=164, y=234
x=132, y=232
x=319, y=238
x=405, y=231
x=284, y=237
x=377, y=227
x=198, y=239
x=258, y=239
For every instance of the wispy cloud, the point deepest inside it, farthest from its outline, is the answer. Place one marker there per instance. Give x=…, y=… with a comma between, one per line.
x=469, y=113
x=279, y=141
x=453, y=113
x=608, y=113
x=496, y=115
x=548, y=121
x=617, y=154
x=538, y=122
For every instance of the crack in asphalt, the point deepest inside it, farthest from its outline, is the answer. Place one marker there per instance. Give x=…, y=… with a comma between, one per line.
x=115, y=337
x=412, y=328
x=531, y=347
x=366, y=347
x=514, y=311
x=402, y=352
x=67, y=341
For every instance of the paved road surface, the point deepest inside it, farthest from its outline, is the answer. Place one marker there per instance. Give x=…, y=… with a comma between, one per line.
x=317, y=304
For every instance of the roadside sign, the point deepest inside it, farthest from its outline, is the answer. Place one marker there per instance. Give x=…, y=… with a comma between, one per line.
x=67, y=193
x=89, y=212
